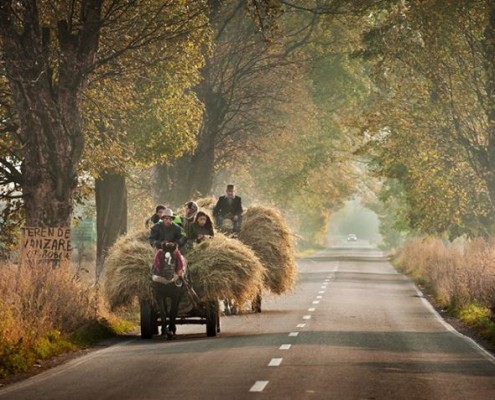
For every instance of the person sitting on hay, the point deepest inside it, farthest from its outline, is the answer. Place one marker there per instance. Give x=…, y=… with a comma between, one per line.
x=228, y=206
x=201, y=228
x=167, y=274
x=190, y=211
x=166, y=231
x=156, y=217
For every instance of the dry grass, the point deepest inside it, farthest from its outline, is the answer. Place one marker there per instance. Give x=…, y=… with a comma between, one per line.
x=222, y=267
x=459, y=273
x=206, y=203
x=37, y=306
x=218, y=268
x=127, y=269
x=265, y=231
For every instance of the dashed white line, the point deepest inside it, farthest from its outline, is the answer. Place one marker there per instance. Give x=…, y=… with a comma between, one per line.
x=311, y=309
x=285, y=347
x=316, y=302
x=321, y=292
x=319, y=297
x=307, y=317
x=293, y=333
x=300, y=325
x=258, y=386
x=275, y=362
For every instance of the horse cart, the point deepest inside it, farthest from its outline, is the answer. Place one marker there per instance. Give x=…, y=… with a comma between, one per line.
x=192, y=310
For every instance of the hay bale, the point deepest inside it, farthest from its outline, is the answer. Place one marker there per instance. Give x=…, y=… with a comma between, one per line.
x=225, y=268
x=206, y=203
x=139, y=235
x=218, y=268
x=265, y=231
x=127, y=269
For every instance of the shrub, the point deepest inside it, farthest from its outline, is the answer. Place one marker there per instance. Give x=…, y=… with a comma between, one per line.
x=458, y=273
x=39, y=307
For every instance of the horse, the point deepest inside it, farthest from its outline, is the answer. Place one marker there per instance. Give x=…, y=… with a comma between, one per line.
x=167, y=280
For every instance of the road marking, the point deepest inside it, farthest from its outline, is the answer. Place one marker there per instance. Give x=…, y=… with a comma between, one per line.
x=323, y=287
x=319, y=297
x=311, y=309
x=300, y=325
x=316, y=302
x=321, y=292
x=293, y=333
x=307, y=317
x=285, y=347
x=275, y=362
x=488, y=356
x=258, y=386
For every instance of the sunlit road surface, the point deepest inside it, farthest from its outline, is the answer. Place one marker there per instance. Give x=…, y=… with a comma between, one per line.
x=352, y=329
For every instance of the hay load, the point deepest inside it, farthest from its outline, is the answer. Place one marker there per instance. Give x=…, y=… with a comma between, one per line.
x=217, y=268
x=225, y=268
x=265, y=231
x=127, y=268
x=206, y=203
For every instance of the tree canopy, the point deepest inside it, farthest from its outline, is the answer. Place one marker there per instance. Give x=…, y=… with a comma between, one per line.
x=428, y=117
x=71, y=72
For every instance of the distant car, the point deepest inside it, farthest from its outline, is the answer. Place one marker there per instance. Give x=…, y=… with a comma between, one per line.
x=351, y=237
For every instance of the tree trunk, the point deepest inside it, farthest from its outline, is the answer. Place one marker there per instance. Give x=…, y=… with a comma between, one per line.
x=169, y=182
x=111, y=214
x=52, y=152
x=200, y=180
x=192, y=174
x=487, y=160
x=47, y=104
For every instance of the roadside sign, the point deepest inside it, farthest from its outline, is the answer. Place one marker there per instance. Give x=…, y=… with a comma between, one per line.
x=45, y=244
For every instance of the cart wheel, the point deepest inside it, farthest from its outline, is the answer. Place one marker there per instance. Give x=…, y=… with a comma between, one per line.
x=218, y=319
x=211, y=318
x=146, y=319
x=256, y=304
x=154, y=321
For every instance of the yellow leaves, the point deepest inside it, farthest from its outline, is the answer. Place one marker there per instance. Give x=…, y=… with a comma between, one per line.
x=431, y=94
x=140, y=108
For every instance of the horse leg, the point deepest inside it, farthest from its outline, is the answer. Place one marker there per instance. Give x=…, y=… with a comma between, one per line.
x=174, y=308
x=226, y=306
x=158, y=290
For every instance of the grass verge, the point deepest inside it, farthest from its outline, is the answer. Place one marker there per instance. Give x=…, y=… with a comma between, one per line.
x=459, y=277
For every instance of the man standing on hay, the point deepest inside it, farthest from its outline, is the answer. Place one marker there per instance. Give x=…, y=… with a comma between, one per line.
x=228, y=206
x=166, y=231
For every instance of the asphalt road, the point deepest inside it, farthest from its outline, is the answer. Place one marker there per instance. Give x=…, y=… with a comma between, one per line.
x=353, y=329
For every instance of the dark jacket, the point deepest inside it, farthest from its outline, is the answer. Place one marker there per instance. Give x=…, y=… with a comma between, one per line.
x=160, y=233
x=226, y=208
x=152, y=220
x=197, y=230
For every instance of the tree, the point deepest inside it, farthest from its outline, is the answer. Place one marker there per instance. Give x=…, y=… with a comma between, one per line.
x=240, y=88
x=433, y=132
x=50, y=51
x=139, y=117
x=245, y=82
